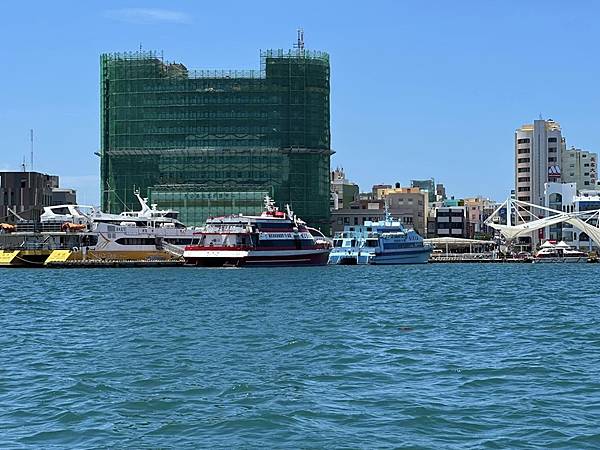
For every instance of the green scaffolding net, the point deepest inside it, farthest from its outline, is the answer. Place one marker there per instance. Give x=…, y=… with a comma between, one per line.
x=214, y=142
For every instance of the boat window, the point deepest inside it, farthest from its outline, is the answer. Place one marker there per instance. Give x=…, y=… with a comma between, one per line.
x=180, y=241
x=337, y=243
x=136, y=241
x=372, y=243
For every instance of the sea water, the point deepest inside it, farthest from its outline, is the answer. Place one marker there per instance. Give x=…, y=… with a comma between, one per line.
x=433, y=356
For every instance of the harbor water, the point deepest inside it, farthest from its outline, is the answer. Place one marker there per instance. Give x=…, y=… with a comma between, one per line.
x=432, y=356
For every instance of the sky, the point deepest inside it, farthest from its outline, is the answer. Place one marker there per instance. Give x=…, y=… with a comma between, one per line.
x=419, y=89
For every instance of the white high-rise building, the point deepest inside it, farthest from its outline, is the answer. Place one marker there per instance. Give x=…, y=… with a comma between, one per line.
x=538, y=150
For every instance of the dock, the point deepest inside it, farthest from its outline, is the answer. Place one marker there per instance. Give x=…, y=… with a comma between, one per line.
x=97, y=263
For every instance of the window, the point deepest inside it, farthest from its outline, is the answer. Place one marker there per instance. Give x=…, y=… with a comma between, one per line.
x=552, y=159
x=587, y=174
x=356, y=221
x=522, y=141
x=524, y=189
x=522, y=150
x=524, y=199
x=523, y=160
x=552, y=150
x=584, y=156
x=586, y=165
x=523, y=170
x=524, y=179
x=587, y=183
x=551, y=139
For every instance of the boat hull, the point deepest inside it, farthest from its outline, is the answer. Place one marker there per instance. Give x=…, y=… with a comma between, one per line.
x=408, y=257
x=256, y=258
x=420, y=256
x=558, y=260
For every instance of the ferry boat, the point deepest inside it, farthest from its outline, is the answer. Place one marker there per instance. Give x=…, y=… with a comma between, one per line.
x=275, y=238
x=559, y=253
x=381, y=242
x=83, y=232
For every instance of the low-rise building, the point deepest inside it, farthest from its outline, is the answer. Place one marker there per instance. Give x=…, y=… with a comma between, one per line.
x=478, y=209
x=409, y=206
x=357, y=213
x=451, y=221
x=26, y=194
x=343, y=191
x=440, y=193
x=426, y=185
x=380, y=189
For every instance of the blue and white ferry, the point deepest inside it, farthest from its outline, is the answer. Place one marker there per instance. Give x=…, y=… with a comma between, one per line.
x=382, y=242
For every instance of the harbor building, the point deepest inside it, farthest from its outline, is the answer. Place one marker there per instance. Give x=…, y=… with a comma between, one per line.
x=25, y=194
x=343, y=191
x=215, y=142
x=579, y=166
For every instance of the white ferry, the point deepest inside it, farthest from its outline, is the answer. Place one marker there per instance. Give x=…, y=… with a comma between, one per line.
x=381, y=242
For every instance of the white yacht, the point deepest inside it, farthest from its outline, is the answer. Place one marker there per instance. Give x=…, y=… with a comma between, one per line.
x=88, y=233
x=559, y=253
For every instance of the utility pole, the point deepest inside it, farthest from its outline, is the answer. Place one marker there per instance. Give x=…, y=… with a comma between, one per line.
x=31, y=141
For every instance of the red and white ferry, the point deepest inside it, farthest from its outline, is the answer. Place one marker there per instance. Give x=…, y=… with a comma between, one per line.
x=275, y=238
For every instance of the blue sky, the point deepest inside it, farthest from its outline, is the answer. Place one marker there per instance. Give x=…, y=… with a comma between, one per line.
x=419, y=88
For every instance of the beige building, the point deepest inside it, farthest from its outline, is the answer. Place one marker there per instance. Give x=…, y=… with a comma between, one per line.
x=410, y=205
x=538, y=149
x=579, y=166
x=478, y=209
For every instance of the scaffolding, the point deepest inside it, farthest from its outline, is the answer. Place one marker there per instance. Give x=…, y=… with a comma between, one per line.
x=174, y=132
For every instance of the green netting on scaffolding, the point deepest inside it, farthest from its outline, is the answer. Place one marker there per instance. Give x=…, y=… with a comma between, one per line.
x=215, y=131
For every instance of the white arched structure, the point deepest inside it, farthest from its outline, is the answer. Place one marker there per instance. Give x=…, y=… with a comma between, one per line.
x=530, y=222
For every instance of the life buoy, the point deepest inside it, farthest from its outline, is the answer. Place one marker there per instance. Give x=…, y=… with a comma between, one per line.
x=75, y=249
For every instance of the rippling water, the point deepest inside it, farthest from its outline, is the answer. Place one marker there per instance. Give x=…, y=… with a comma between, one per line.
x=438, y=356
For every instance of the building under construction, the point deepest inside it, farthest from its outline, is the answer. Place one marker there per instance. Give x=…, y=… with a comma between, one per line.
x=215, y=142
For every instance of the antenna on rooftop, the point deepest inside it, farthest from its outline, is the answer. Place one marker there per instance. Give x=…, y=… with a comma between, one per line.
x=300, y=43
x=31, y=142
